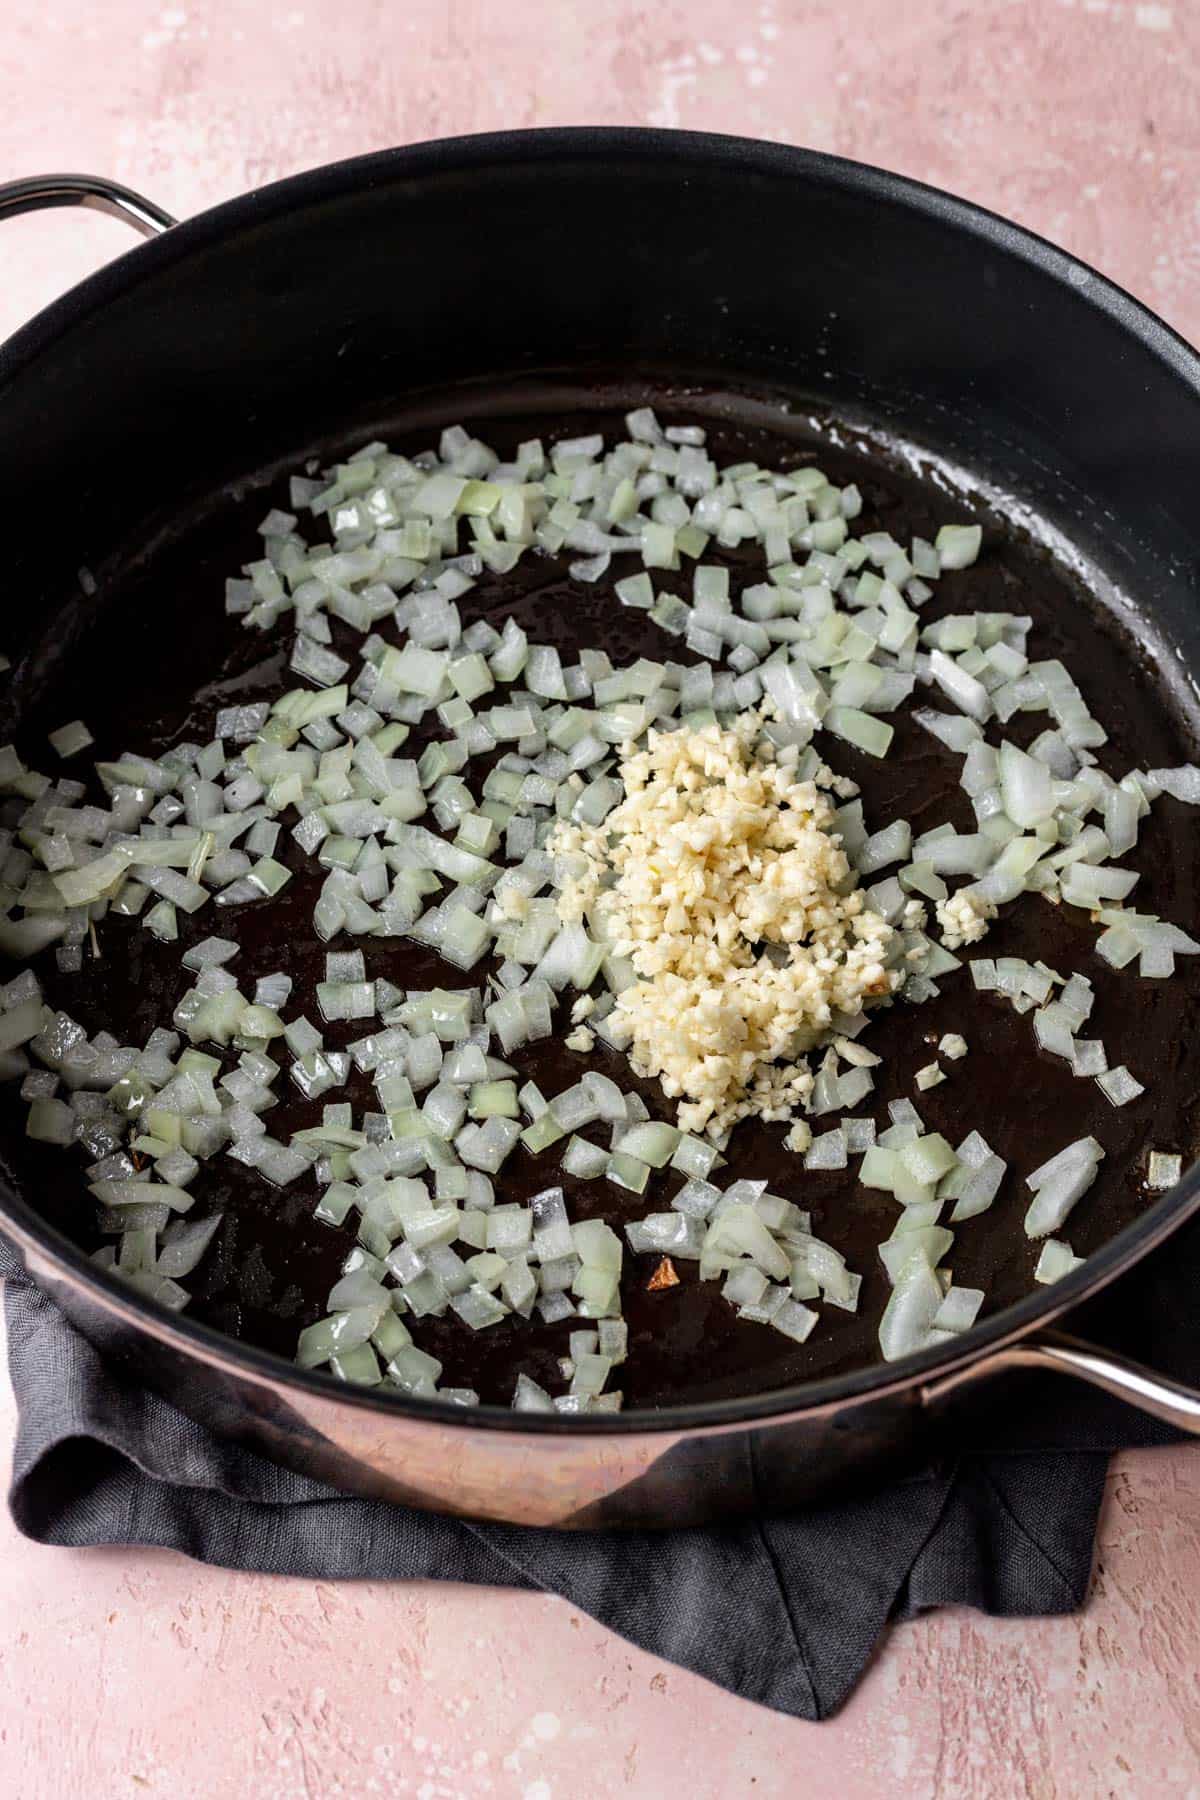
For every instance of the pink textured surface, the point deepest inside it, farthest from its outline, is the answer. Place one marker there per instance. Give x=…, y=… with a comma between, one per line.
x=126, y=1673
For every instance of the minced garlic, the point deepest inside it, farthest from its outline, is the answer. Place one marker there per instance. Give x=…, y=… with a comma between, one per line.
x=721, y=879
x=963, y=919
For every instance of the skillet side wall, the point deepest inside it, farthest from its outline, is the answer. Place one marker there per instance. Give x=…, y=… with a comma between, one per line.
x=569, y=1480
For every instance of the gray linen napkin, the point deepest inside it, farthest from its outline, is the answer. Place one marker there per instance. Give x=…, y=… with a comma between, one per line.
x=782, y=1611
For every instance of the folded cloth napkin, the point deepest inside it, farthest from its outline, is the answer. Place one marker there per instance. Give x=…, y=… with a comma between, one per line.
x=783, y=1611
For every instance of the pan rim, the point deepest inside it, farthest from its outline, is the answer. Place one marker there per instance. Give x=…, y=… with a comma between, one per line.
x=686, y=151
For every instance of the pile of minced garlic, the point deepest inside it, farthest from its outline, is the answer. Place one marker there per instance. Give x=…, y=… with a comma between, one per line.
x=719, y=877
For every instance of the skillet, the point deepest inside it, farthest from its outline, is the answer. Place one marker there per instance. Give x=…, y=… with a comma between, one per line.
x=232, y=345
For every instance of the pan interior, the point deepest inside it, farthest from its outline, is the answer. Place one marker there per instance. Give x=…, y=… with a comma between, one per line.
x=147, y=658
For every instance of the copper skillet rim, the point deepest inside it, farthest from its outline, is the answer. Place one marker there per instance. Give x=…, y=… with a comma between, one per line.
x=874, y=1381
x=694, y=150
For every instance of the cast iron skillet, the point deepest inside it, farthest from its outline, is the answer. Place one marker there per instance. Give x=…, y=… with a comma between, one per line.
x=221, y=348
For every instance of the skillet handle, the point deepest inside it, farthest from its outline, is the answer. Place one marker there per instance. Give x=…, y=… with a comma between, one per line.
x=37, y=192
x=1057, y=1353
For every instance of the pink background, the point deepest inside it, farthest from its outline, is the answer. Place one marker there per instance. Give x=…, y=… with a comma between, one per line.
x=123, y=1673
